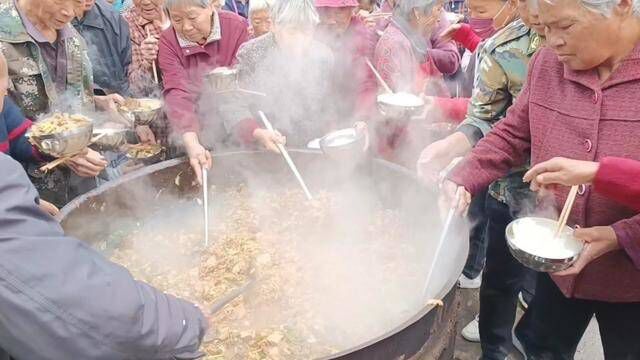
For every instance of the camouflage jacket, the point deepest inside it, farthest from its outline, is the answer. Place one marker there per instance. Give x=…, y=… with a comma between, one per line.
x=31, y=85
x=500, y=75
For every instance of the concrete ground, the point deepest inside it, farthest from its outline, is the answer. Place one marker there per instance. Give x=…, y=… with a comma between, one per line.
x=589, y=349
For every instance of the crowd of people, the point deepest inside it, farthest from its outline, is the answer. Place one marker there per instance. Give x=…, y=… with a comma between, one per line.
x=536, y=96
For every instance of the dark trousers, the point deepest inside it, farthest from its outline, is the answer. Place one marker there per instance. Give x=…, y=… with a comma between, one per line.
x=553, y=325
x=477, y=238
x=503, y=278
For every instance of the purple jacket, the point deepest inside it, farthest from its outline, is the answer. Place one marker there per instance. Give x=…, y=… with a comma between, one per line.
x=567, y=113
x=184, y=66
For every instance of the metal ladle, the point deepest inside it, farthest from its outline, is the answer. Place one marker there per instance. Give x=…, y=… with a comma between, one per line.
x=442, y=239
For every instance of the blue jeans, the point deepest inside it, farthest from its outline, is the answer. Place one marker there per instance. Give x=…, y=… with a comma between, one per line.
x=503, y=278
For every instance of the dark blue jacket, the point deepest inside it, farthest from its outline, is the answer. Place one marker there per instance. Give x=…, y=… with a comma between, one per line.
x=13, y=126
x=237, y=7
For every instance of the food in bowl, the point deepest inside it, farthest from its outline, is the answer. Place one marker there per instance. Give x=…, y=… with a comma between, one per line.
x=59, y=123
x=143, y=151
x=537, y=237
x=141, y=105
x=401, y=99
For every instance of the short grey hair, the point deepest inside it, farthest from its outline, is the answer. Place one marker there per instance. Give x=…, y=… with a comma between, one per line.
x=405, y=8
x=259, y=5
x=605, y=7
x=298, y=13
x=170, y=4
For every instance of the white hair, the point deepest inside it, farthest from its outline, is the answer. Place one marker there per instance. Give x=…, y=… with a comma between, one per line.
x=260, y=5
x=170, y=4
x=298, y=13
x=405, y=7
x=605, y=7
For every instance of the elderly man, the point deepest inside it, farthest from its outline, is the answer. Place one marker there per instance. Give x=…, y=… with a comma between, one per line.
x=60, y=299
x=575, y=103
x=200, y=40
x=352, y=44
x=49, y=70
x=109, y=45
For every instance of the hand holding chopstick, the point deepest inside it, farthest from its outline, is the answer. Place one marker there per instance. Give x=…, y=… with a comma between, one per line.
x=566, y=210
x=286, y=156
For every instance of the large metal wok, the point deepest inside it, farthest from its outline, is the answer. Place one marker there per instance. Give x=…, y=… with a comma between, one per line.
x=428, y=334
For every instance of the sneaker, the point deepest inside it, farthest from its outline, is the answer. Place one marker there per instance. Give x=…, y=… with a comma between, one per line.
x=466, y=283
x=471, y=332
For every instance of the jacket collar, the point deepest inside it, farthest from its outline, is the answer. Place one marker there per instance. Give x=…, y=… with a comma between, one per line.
x=92, y=18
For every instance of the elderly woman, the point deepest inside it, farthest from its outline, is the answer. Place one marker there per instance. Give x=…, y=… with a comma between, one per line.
x=146, y=19
x=291, y=68
x=576, y=104
x=260, y=17
x=200, y=40
x=352, y=44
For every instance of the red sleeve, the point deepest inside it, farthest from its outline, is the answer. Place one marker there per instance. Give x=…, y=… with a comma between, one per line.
x=467, y=38
x=368, y=84
x=244, y=131
x=178, y=94
x=454, y=109
x=619, y=179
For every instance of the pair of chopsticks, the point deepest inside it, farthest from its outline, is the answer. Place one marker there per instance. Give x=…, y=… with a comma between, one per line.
x=566, y=210
x=287, y=158
x=205, y=200
x=153, y=64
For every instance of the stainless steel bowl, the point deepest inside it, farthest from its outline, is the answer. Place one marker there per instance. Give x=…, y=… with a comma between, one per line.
x=156, y=156
x=392, y=106
x=344, y=145
x=147, y=112
x=109, y=139
x=66, y=143
x=223, y=79
x=539, y=263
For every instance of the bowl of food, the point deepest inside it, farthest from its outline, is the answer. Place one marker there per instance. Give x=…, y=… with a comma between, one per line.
x=61, y=134
x=222, y=79
x=533, y=242
x=145, y=153
x=344, y=145
x=400, y=105
x=144, y=111
x=110, y=137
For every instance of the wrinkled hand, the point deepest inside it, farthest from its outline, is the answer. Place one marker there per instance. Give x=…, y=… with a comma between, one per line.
x=451, y=194
x=109, y=102
x=88, y=164
x=198, y=155
x=269, y=139
x=561, y=171
x=145, y=135
x=435, y=157
x=149, y=49
x=448, y=34
x=48, y=208
x=598, y=241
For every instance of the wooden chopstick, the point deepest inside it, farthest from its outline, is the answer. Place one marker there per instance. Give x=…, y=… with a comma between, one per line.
x=380, y=79
x=566, y=210
x=53, y=164
x=153, y=64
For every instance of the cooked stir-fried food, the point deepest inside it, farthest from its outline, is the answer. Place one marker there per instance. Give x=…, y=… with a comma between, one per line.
x=143, y=151
x=276, y=239
x=59, y=123
x=140, y=105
